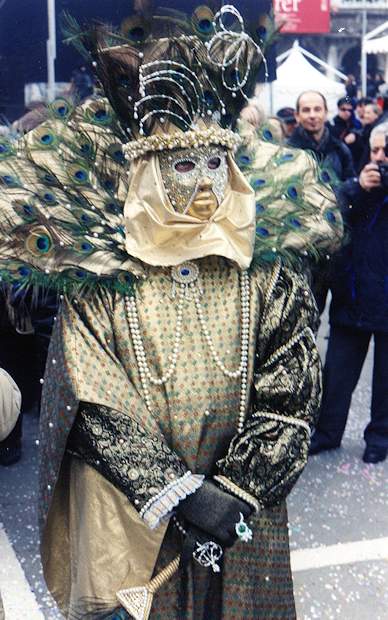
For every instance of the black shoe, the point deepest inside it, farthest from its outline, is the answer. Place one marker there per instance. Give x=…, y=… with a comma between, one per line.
x=317, y=446
x=374, y=454
x=10, y=454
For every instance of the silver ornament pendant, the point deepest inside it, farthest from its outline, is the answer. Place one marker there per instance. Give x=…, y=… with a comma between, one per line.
x=208, y=555
x=184, y=275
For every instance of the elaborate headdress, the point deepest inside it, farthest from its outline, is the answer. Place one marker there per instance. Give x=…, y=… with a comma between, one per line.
x=173, y=80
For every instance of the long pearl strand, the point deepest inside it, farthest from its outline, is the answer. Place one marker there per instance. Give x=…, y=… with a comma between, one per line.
x=146, y=376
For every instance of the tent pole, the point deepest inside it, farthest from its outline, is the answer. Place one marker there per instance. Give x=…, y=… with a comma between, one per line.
x=363, y=52
x=51, y=51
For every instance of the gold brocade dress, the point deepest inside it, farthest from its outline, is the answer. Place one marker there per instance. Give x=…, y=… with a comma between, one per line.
x=93, y=532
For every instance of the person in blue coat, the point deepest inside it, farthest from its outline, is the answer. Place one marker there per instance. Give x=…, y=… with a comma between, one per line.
x=359, y=309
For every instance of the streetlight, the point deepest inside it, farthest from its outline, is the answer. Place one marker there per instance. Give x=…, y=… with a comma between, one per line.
x=51, y=50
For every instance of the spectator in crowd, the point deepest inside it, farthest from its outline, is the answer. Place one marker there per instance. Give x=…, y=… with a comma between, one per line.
x=10, y=402
x=351, y=87
x=253, y=113
x=372, y=113
x=346, y=127
x=313, y=134
x=345, y=123
x=360, y=107
x=25, y=330
x=81, y=84
x=359, y=310
x=288, y=122
x=383, y=96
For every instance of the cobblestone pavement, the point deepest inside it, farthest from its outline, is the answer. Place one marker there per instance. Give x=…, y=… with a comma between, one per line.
x=338, y=530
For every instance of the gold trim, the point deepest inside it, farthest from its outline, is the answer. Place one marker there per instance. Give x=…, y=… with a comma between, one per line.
x=188, y=139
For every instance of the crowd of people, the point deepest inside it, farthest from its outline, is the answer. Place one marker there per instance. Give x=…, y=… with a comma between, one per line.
x=353, y=148
x=106, y=379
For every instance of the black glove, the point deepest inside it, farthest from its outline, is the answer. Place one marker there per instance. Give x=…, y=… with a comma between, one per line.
x=215, y=512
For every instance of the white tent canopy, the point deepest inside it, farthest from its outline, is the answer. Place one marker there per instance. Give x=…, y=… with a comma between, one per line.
x=377, y=46
x=373, y=45
x=295, y=75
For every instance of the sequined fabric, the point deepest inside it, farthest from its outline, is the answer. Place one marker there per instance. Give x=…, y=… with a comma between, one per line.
x=196, y=414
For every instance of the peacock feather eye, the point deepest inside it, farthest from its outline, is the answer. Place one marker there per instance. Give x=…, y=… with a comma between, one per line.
x=45, y=138
x=125, y=278
x=292, y=192
x=331, y=216
x=109, y=185
x=293, y=222
x=99, y=116
x=116, y=153
x=260, y=208
x=86, y=219
x=267, y=134
x=39, y=242
x=9, y=180
x=79, y=274
x=24, y=271
x=136, y=29
x=85, y=148
x=243, y=159
x=84, y=247
x=48, y=198
x=61, y=109
x=113, y=207
x=202, y=21
x=325, y=176
x=78, y=174
x=262, y=232
x=258, y=182
x=284, y=157
x=26, y=211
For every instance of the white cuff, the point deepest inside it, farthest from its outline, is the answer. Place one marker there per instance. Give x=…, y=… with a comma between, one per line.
x=161, y=506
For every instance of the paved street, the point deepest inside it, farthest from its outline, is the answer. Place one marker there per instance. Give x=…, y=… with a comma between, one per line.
x=338, y=525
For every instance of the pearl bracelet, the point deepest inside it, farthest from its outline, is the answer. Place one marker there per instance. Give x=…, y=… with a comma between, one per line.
x=228, y=485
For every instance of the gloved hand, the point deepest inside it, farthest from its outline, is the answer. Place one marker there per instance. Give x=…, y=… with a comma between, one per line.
x=215, y=512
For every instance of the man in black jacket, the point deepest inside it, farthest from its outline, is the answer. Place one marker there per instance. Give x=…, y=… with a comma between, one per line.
x=359, y=310
x=313, y=134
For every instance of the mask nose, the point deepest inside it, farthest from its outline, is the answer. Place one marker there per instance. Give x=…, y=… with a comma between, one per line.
x=205, y=183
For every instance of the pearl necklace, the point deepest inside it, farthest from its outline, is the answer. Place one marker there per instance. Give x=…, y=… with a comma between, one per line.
x=185, y=276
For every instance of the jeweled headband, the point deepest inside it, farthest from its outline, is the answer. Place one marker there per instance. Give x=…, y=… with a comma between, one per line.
x=187, y=139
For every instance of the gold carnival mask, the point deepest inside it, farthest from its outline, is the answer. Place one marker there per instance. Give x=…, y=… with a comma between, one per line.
x=195, y=180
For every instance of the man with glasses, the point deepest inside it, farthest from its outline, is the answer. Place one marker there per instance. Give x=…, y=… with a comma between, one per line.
x=359, y=310
x=346, y=127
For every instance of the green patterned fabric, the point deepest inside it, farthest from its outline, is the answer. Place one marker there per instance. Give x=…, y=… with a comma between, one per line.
x=197, y=418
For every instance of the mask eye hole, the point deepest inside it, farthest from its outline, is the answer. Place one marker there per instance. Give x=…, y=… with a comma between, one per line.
x=214, y=163
x=184, y=166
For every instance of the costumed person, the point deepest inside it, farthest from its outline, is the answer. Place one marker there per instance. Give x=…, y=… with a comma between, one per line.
x=183, y=379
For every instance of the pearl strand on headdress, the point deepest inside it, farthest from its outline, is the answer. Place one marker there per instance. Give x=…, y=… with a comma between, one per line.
x=141, y=358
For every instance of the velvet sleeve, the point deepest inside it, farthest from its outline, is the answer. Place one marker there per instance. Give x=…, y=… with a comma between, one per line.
x=266, y=458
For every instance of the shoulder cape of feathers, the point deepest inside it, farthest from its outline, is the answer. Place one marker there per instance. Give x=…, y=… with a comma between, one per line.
x=63, y=188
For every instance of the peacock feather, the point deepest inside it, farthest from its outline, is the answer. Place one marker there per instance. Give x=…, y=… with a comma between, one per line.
x=62, y=191
x=297, y=216
x=63, y=188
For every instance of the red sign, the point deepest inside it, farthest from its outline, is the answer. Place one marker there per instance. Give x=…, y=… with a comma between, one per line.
x=302, y=16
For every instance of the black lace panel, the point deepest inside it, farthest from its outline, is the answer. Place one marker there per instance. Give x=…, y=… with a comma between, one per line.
x=137, y=463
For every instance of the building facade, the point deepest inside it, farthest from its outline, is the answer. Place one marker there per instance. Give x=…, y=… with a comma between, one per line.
x=341, y=47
